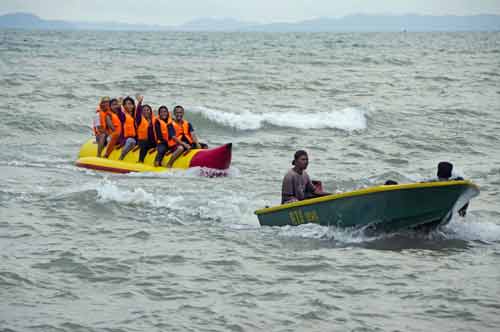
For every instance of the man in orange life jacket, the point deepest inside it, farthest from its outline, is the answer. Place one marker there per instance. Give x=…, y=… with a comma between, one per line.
x=185, y=138
x=128, y=123
x=113, y=125
x=100, y=124
x=164, y=134
x=145, y=123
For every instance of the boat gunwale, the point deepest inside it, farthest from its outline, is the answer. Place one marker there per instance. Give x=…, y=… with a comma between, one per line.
x=365, y=191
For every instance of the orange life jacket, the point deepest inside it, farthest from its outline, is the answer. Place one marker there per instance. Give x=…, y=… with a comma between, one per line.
x=143, y=129
x=116, y=123
x=102, y=120
x=183, y=130
x=128, y=126
x=164, y=132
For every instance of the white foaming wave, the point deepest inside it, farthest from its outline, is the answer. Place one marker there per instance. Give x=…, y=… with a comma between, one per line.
x=20, y=163
x=349, y=119
x=226, y=209
x=189, y=173
x=318, y=232
x=470, y=229
x=467, y=229
x=110, y=192
x=107, y=191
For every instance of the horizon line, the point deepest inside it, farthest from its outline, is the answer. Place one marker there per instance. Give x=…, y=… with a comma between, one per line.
x=253, y=23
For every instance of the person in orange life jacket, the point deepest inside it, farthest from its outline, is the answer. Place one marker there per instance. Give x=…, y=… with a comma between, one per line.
x=100, y=124
x=185, y=138
x=128, y=123
x=164, y=133
x=113, y=125
x=145, y=123
x=184, y=130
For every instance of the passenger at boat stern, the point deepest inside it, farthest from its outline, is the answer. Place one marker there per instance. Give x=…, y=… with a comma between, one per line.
x=297, y=185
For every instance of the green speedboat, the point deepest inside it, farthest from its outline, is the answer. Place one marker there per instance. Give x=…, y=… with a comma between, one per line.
x=386, y=208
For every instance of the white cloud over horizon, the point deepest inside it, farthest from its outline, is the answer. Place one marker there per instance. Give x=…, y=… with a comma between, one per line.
x=167, y=12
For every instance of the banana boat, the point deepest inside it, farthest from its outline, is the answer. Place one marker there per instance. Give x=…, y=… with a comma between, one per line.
x=218, y=158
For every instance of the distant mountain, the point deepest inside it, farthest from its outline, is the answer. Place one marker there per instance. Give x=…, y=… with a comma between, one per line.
x=351, y=23
x=30, y=21
x=33, y=22
x=365, y=23
x=114, y=26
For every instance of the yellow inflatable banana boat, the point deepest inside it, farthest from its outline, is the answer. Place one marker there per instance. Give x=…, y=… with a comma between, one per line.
x=218, y=158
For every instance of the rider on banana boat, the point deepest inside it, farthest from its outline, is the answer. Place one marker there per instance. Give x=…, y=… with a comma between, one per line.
x=113, y=125
x=145, y=122
x=128, y=122
x=99, y=126
x=165, y=133
x=185, y=137
x=297, y=185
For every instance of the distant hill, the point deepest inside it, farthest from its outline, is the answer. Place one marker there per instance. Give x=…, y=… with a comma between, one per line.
x=365, y=23
x=351, y=23
x=30, y=21
x=33, y=22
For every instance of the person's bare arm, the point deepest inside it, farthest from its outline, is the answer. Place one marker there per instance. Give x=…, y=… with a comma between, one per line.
x=287, y=191
x=138, y=109
x=195, y=140
x=179, y=142
x=109, y=123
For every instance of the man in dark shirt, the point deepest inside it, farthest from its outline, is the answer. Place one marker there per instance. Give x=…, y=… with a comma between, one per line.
x=297, y=185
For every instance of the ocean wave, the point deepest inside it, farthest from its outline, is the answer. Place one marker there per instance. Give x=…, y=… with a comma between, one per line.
x=343, y=236
x=438, y=78
x=41, y=162
x=106, y=191
x=459, y=229
x=43, y=125
x=109, y=192
x=222, y=206
x=348, y=119
x=175, y=206
x=471, y=229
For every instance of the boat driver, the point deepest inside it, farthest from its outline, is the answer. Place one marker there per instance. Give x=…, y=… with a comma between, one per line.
x=444, y=173
x=297, y=185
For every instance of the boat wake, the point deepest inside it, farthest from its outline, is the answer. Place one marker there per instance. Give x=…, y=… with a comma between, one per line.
x=472, y=229
x=110, y=192
x=457, y=234
x=348, y=119
x=161, y=204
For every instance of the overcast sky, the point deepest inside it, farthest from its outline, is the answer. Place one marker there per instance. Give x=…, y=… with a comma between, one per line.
x=171, y=12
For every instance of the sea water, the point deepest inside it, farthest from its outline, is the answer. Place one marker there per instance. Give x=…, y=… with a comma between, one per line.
x=90, y=251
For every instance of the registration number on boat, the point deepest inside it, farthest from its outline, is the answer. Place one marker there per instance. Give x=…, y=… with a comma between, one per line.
x=298, y=217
